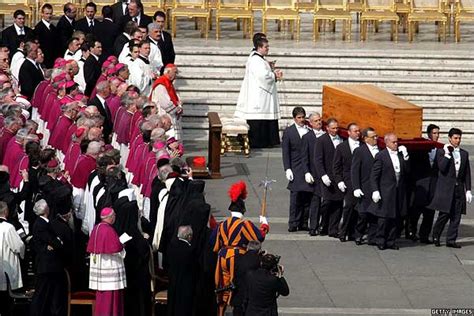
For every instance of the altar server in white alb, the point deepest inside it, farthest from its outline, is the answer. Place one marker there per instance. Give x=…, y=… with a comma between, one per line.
x=258, y=98
x=141, y=72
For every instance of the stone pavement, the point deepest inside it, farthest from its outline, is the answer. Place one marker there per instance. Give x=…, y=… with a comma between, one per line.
x=327, y=277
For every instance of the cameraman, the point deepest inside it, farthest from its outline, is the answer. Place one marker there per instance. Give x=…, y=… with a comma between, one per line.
x=264, y=285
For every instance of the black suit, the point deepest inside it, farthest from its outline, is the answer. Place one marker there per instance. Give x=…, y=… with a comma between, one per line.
x=449, y=197
x=48, y=39
x=361, y=168
x=165, y=43
x=342, y=173
x=107, y=32
x=83, y=25
x=300, y=197
x=144, y=20
x=250, y=261
x=92, y=71
x=309, y=141
x=50, y=297
x=393, y=204
x=105, y=112
x=29, y=78
x=119, y=43
x=117, y=9
x=10, y=38
x=65, y=30
x=331, y=208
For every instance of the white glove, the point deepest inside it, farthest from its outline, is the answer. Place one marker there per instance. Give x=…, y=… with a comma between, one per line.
x=289, y=174
x=447, y=152
x=342, y=186
x=263, y=220
x=404, y=152
x=358, y=193
x=468, y=196
x=308, y=178
x=376, y=196
x=326, y=180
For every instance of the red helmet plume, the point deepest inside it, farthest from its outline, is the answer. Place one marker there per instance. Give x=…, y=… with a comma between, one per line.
x=238, y=190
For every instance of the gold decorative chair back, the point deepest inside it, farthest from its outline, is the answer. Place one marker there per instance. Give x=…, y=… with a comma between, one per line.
x=151, y=6
x=331, y=5
x=190, y=4
x=379, y=5
x=281, y=4
x=464, y=5
x=306, y=5
x=233, y=4
x=7, y=7
x=426, y=5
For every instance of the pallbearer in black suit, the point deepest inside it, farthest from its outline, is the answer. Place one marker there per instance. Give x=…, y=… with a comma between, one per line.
x=425, y=175
x=103, y=92
x=88, y=23
x=66, y=24
x=363, y=159
x=119, y=9
x=309, y=141
x=342, y=174
x=48, y=36
x=10, y=34
x=331, y=208
x=107, y=32
x=135, y=14
x=92, y=67
x=293, y=157
x=30, y=71
x=388, y=182
x=165, y=43
x=453, y=188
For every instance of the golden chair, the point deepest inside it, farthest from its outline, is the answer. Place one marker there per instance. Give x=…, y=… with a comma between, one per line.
x=282, y=10
x=8, y=7
x=464, y=13
x=235, y=10
x=379, y=11
x=332, y=10
x=427, y=11
x=151, y=6
x=403, y=8
x=356, y=6
x=191, y=9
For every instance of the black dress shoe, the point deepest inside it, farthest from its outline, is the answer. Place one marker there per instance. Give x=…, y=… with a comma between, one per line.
x=425, y=241
x=436, y=242
x=381, y=247
x=393, y=247
x=313, y=232
x=343, y=239
x=359, y=241
x=303, y=228
x=292, y=229
x=453, y=245
x=351, y=238
x=333, y=235
x=323, y=233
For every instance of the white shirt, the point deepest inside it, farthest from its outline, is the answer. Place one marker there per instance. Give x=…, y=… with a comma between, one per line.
x=353, y=144
x=432, y=156
x=69, y=20
x=101, y=99
x=237, y=214
x=48, y=25
x=373, y=150
x=155, y=56
x=89, y=21
x=45, y=219
x=124, y=54
x=19, y=30
x=302, y=130
x=12, y=249
x=318, y=133
x=15, y=65
x=457, y=159
x=336, y=140
x=395, y=162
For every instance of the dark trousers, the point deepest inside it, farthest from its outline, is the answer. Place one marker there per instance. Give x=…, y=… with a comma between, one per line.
x=454, y=217
x=366, y=224
x=349, y=216
x=50, y=298
x=331, y=216
x=426, y=223
x=314, y=212
x=299, y=208
x=386, y=231
x=5, y=303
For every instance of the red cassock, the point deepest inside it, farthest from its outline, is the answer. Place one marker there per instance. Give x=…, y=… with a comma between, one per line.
x=137, y=118
x=15, y=176
x=149, y=162
x=68, y=137
x=130, y=164
x=151, y=175
x=38, y=96
x=139, y=163
x=71, y=157
x=85, y=165
x=13, y=156
x=56, y=111
x=5, y=136
x=122, y=126
x=48, y=104
x=114, y=104
x=41, y=102
x=57, y=134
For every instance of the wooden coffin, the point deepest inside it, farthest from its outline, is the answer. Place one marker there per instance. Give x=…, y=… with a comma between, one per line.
x=368, y=105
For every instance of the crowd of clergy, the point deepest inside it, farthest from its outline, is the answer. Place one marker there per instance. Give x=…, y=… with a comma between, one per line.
x=94, y=192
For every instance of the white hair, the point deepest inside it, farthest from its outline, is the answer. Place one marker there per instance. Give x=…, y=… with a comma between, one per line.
x=41, y=207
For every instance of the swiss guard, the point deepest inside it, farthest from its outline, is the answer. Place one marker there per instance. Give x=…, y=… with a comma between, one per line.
x=231, y=239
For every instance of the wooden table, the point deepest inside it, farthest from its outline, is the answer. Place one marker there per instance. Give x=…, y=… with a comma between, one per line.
x=368, y=105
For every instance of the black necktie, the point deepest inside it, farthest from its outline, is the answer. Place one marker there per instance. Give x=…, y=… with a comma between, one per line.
x=107, y=111
x=126, y=9
x=135, y=19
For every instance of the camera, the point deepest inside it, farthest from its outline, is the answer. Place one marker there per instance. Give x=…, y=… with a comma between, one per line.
x=271, y=263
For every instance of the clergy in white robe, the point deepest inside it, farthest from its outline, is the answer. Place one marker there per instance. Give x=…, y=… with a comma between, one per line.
x=141, y=72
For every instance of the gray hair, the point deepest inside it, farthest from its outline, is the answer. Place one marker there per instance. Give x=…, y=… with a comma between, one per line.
x=157, y=133
x=41, y=207
x=10, y=120
x=22, y=133
x=153, y=26
x=185, y=232
x=313, y=114
x=387, y=136
x=94, y=148
x=3, y=209
x=164, y=171
x=254, y=245
x=101, y=86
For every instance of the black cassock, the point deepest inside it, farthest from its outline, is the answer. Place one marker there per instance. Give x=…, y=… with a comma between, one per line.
x=181, y=278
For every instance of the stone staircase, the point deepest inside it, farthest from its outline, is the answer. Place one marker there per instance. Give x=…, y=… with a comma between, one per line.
x=442, y=82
